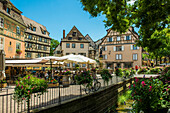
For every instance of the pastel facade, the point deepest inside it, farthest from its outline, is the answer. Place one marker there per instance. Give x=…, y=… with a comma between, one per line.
x=12, y=30
x=119, y=50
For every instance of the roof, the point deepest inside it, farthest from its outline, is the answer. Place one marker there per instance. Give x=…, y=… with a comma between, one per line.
x=87, y=37
x=39, y=27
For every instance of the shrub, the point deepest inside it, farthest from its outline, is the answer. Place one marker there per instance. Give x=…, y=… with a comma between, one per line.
x=118, y=72
x=18, y=51
x=142, y=71
x=149, y=95
x=105, y=75
x=52, y=81
x=27, y=85
x=67, y=72
x=84, y=78
x=132, y=72
x=126, y=73
x=154, y=71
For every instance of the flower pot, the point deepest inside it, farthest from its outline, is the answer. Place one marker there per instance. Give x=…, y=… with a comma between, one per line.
x=65, y=81
x=53, y=85
x=2, y=85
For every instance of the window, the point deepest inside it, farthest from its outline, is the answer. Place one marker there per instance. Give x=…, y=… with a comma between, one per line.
x=79, y=38
x=110, y=39
x=67, y=53
x=44, y=32
x=39, y=47
x=45, y=40
x=30, y=37
x=104, y=48
x=68, y=64
x=84, y=54
x=34, y=28
x=40, y=39
x=30, y=28
x=118, y=57
x=10, y=43
x=67, y=45
x=8, y=10
x=73, y=53
x=134, y=47
x=104, y=57
x=73, y=45
x=39, y=54
x=128, y=37
x=81, y=45
x=45, y=48
x=18, y=45
x=135, y=56
x=74, y=34
x=18, y=30
x=118, y=38
x=83, y=65
x=74, y=64
x=29, y=45
x=44, y=55
x=119, y=48
x=29, y=55
x=69, y=38
x=1, y=22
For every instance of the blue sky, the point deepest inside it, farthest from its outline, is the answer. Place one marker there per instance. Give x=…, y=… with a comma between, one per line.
x=57, y=15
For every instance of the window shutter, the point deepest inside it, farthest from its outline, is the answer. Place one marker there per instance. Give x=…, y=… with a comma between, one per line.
x=105, y=48
x=129, y=37
x=124, y=37
x=137, y=47
x=114, y=48
x=117, y=57
x=105, y=56
x=136, y=56
x=131, y=47
x=122, y=48
x=120, y=56
x=112, y=39
x=108, y=39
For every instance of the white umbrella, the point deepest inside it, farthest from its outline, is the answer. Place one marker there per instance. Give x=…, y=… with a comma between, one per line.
x=86, y=59
x=73, y=58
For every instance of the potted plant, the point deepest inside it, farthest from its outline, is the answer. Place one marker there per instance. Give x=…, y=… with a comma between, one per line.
x=28, y=85
x=126, y=73
x=106, y=76
x=132, y=72
x=53, y=83
x=84, y=78
x=3, y=83
x=65, y=80
x=18, y=51
x=118, y=73
x=67, y=72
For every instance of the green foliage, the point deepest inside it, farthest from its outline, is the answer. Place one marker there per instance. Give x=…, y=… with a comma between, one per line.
x=142, y=71
x=149, y=94
x=54, y=44
x=105, y=75
x=27, y=85
x=84, y=78
x=67, y=72
x=52, y=81
x=165, y=75
x=119, y=72
x=132, y=72
x=77, y=66
x=147, y=15
x=126, y=73
x=122, y=99
x=3, y=81
x=154, y=71
x=18, y=51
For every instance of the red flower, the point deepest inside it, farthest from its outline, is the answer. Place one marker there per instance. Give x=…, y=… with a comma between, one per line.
x=150, y=88
x=133, y=85
x=143, y=83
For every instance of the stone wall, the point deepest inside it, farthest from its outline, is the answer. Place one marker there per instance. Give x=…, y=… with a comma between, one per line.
x=97, y=102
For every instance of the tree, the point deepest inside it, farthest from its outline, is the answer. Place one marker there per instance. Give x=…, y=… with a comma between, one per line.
x=54, y=44
x=147, y=15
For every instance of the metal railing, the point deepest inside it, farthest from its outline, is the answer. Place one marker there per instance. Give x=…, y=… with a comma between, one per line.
x=52, y=96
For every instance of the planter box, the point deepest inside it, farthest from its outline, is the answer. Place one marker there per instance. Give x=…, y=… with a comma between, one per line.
x=3, y=85
x=53, y=85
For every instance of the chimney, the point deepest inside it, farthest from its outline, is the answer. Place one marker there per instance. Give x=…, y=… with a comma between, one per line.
x=63, y=34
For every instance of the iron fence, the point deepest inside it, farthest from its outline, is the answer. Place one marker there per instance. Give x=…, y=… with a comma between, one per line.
x=52, y=96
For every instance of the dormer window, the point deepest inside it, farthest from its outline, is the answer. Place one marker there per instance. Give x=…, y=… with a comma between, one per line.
x=8, y=10
x=69, y=38
x=30, y=28
x=34, y=28
x=79, y=38
x=74, y=34
x=44, y=32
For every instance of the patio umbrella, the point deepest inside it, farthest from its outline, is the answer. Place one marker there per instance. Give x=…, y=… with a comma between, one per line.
x=51, y=59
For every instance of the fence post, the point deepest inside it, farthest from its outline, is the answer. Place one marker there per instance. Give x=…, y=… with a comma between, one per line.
x=59, y=100
x=28, y=105
x=80, y=91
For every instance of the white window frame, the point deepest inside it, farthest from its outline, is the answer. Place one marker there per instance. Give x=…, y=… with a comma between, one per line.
x=135, y=56
x=118, y=56
x=118, y=38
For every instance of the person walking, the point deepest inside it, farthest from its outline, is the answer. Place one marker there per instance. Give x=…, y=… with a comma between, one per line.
x=136, y=68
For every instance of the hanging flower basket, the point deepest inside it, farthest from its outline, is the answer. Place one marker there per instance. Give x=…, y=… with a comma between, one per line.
x=18, y=51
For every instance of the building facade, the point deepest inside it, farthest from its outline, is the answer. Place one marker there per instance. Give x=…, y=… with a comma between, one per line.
x=74, y=43
x=37, y=40
x=119, y=50
x=12, y=30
